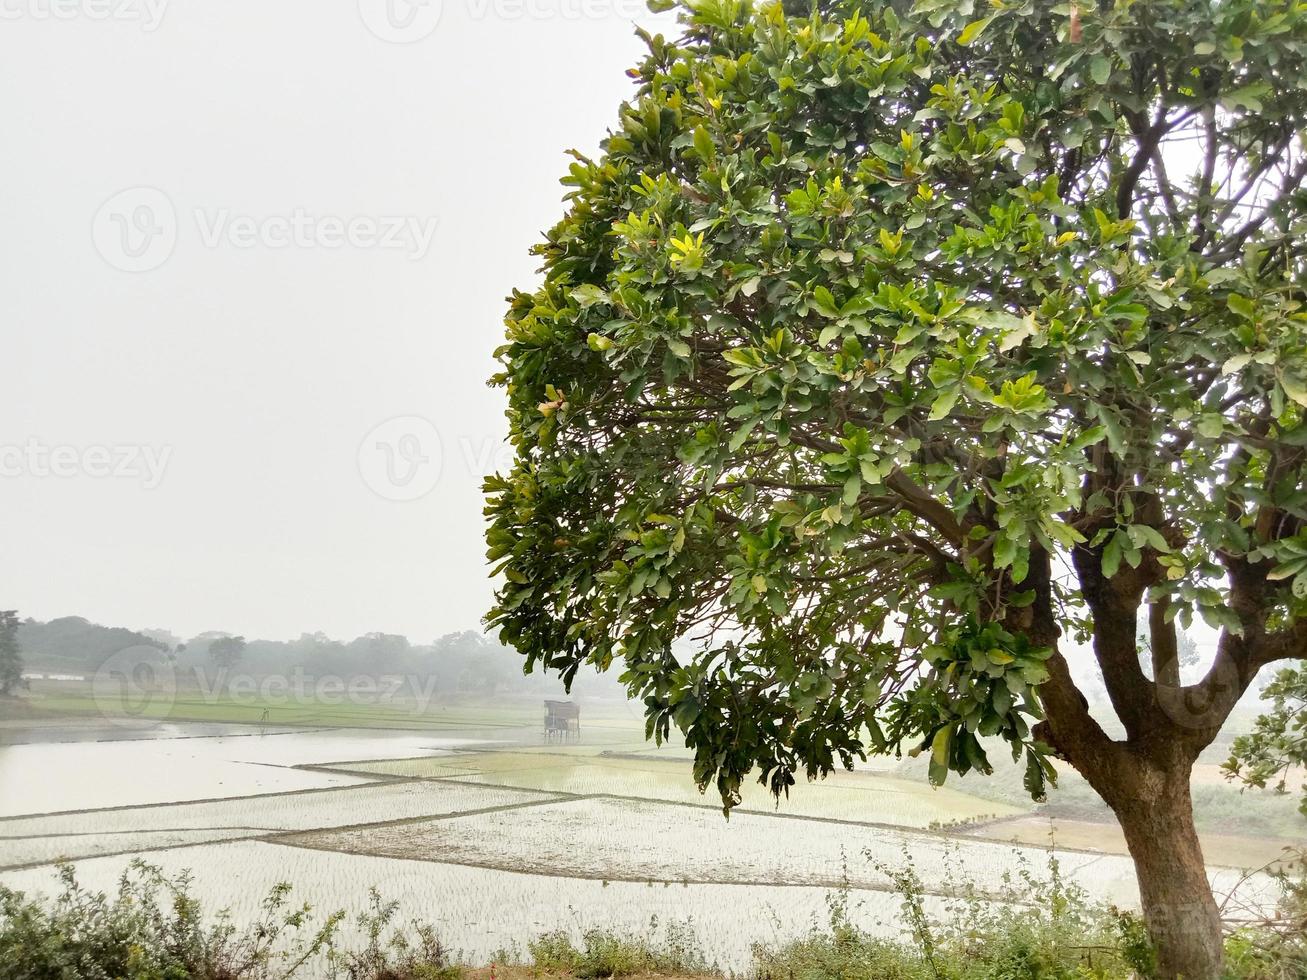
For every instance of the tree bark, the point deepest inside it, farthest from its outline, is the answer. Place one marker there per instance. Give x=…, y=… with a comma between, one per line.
x=1176, y=896
x=1144, y=779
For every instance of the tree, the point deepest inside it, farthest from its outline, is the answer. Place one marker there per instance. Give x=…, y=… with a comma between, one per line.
x=11, y=660
x=887, y=346
x=73, y=644
x=226, y=651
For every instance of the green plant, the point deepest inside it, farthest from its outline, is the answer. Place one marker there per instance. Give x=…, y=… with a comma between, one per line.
x=390, y=953
x=1275, y=948
x=607, y=954
x=1277, y=745
x=1024, y=927
x=152, y=929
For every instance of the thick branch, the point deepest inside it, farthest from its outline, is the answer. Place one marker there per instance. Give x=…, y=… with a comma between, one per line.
x=1068, y=728
x=1162, y=645
x=1114, y=604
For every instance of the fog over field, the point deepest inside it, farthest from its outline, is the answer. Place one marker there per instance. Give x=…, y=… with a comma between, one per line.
x=685, y=489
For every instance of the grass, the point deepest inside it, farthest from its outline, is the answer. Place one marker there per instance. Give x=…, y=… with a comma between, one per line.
x=76, y=700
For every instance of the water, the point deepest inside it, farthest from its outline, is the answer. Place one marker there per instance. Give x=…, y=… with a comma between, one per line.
x=52, y=777
x=491, y=836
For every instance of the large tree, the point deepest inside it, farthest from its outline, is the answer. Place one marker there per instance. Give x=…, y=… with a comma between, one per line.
x=226, y=652
x=11, y=659
x=888, y=349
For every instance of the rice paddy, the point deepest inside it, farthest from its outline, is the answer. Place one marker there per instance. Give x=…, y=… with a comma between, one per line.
x=496, y=836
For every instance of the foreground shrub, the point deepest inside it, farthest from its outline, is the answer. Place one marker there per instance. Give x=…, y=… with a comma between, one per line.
x=1275, y=948
x=151, y=929
x=607, y=954
x=1028, y=927
x=397, y=956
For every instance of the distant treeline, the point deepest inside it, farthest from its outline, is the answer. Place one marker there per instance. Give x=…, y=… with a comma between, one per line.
x=462, y=663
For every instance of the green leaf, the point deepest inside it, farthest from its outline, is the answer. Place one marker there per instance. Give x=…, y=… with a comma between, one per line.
x=1090, y=437
x=1034, y=778
x=1112, y=555
x=824, y=302
x=741, y=435
x=1241, y=305
x=589, y=295
x=1236, y=363
x=703, y=145
x=972, y=30
x=1295, y=386
x=944, y=404
x=1287, y=570
x=939, y=755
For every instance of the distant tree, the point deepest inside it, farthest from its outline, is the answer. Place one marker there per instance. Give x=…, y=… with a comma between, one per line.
x=226, y=651
x=72, y=643
x=887, y=347
x=11, y=660
x=378, y=653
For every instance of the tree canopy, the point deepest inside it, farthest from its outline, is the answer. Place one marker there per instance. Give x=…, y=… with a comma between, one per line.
x=882, y=345
x=888, y=343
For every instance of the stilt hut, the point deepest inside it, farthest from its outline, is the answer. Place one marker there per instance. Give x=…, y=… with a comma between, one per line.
x=562, y=720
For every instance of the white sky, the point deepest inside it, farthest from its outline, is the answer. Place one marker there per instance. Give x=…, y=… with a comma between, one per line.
x=259, y=369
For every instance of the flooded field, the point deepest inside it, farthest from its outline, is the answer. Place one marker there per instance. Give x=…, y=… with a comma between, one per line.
x=495, y=836
x=179, y=767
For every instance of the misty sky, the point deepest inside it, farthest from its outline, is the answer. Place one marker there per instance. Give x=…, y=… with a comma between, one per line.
x=238, y=239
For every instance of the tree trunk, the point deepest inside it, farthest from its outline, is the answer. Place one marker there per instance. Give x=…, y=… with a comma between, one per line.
x=1179, y=910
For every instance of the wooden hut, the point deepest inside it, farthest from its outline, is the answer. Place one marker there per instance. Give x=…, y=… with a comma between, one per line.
x=562, y=720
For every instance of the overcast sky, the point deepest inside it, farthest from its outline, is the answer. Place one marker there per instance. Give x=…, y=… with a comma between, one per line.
x=239, y=239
